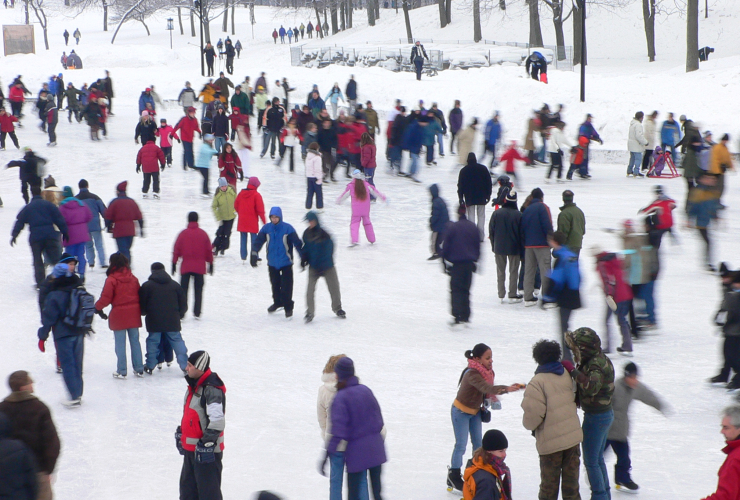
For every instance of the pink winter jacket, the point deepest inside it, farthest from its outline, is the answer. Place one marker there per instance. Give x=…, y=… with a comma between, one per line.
x=313, y=166
x=360, y=207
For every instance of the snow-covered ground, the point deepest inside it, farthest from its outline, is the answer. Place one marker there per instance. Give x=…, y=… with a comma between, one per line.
x=120, y=443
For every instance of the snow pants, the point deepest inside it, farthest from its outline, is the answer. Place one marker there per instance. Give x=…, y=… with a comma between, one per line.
x=314, y=188
x=222, y=240
x=200, y=481
x=188, y=160
x=419, y=64
x=149, y=178
x=51, y=249
x=354, y=228
x=281, y=281
x=70, y=351
x=624, y=464
x=13, y=137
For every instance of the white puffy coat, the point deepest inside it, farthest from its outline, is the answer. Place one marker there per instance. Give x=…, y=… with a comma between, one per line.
x=558, y=141
x=327, y=391
x=636, y=141
x=313, y=166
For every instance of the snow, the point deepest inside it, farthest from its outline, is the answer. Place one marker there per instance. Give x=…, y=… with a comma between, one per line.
x=120, y=443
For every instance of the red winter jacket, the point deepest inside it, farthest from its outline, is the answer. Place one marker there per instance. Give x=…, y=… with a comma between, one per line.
x=357, y=129
x=509, y=157
x=148, y=156
x=228, y=165
x=189, y=127
x=194, y=246
x=728, y=487
x=367, y=156
x=238, y=118
x=164, y=134
x=249, y=206
x=610, y=268
x=663, y=208
x=16, y=94
x=345, y=136
x=122, y=212
x=121, y=291
x=6, y=123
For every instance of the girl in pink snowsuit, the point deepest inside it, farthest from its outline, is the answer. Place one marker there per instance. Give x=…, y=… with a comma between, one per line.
x=359, y=191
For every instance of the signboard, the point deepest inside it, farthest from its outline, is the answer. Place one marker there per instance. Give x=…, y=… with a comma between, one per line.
x=19, y=39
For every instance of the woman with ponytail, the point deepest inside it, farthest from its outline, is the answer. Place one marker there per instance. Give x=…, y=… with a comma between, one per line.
x=359, y=189
x=476, y=392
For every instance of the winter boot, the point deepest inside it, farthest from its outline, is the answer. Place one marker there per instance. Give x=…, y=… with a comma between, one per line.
x=454, y=480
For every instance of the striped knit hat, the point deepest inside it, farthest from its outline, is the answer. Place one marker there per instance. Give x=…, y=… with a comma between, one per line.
x=200, y=360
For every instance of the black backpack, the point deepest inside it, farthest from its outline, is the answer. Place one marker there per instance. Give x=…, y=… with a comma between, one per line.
x=81, y=311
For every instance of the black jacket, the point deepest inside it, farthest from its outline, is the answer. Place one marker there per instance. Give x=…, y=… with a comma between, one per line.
x=505, y=230
x=461, y=242
x=417, y=52
x=147, y=132
x=440, y=216
x=28, y=167
x=44, y=220
x=275, y=119
x=474, y=186
x=17, y=471
x=351, y=90
x=220, y=125
x=318, y=248
x=327, y=139
x=163, y=302
x=399, y=127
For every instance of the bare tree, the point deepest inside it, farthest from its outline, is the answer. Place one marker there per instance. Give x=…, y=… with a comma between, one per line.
x=233, y=20
x=648, y=16
x=371, y=12
x=179, y=20
x=136, y=10
x=25, y=8
x=81, y=6
x=692, y=35
x=350, y=7
x=535, y=32
x=477, y=36
x=556, y=6
x=38, y=10
x=578, y=42
x=192, y=21
x=226, y=16
x=443, y=21
x=405, y=4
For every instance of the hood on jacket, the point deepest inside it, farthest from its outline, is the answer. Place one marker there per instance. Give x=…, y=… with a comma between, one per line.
x=5, y=427
x=123, y=275
x=277, y=211
x=330, y=381
x=160, y=277
x=472, y=159
x=434, y=190
x=584, y=342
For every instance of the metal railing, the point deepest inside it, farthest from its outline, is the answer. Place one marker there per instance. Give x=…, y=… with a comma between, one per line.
x=389, y=58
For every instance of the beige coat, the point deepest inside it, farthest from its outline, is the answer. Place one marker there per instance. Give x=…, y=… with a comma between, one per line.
x=465, y=140
x=327, y=391
x=549, y=406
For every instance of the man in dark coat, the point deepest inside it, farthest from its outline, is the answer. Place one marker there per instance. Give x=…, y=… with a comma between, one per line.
x=32, y=424
x=351, y=93
x=505, y=233
x=318, y=255
x=210, y=54
x=275, y=123
x=474, y=188
x=223, y=83
x=460, y=251
x=418, y=54
x=536, y=225
x=230, y=53
x=107, y=85
x=43, y=219
x=328, y=141
x=29, y=171
x=17, y=471
x=438, y=221
x=164, y=303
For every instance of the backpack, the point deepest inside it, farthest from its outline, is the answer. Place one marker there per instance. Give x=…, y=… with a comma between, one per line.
x=81, y=311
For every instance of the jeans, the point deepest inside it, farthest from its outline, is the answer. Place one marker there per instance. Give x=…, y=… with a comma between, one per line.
x=133, y=339
x=188, y=160
x=124, y=246
x=645, y=292
x=624, y=464
x=219, y=143
x=595, y=429
x=199, y=281
x=243, y=245
x=51, y=249
x=634, y=165
x=441, y=142
x=464, y=424
x=336, y=477
x=78, y=250
x=52, y=132
x=176, y=342
x=95, y=243
x=70, y=351
x=419, y=64
x=357, y=484
x=314, y=188
x=395, y=155
x=414, y=167
x=271, y=139
x=430, y=153
x=621, y=313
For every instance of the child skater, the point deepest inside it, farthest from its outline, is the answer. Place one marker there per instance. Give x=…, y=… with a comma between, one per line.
x=314, y=177
x=359, y=189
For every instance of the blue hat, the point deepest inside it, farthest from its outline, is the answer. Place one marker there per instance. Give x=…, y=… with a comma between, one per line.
x=345, y=368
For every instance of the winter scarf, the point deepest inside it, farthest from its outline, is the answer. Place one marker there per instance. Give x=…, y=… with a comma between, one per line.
x=488, y=375
x=504, y=474
x=555, y=367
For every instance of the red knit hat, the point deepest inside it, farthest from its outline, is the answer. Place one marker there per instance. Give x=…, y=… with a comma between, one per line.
x=122, y=187
x=253, y=181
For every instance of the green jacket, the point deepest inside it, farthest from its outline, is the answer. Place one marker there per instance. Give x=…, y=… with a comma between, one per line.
x=71, y=94
x=572, y=223
x=429, y=133
x=223, y=204
x=594, y=374
x=241, y=101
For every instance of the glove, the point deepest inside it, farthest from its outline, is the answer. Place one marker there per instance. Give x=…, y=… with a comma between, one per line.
x=101, y=314
x=136, y=141
x=42, y=346
x=241, y=175
x=200, y=136
x=205, y=452
x=322, y=464
x=174, y=269
x=141, y=232
x=162, y=168
x=475, y=267
x=253, y=259
x=179, y=141
x=12, y=241
x=568, y=365
x=210, y=268
x=138, y=169
x=178, y=440
x=304, y=262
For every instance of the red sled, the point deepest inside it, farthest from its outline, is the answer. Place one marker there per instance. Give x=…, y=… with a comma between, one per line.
x=665, y=159
x=543, y=77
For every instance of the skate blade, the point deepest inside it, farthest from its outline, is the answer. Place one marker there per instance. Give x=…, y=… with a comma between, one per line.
x=626, y=490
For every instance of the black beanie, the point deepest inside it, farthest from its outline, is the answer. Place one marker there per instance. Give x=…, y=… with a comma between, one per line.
x=200, y=359
x=495, y=440
x=472, y=159
x=630, y=370
x=267, y=495
x=193, y=217
x=537, y=193
x=157, y=266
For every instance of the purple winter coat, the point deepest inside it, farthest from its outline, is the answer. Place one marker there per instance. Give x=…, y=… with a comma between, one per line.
x=356, y=419
x=455, y=119
x=77, y=215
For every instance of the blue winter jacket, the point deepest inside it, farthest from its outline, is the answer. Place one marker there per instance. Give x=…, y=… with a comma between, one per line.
x=280, y=239
x=413, y=137
x=670, y=133
x=205, y=155
x=536, y=224
x=461, y=242
x=55, y=309
x=588, y=131
x=440, y=216
x=143, y=99
x=493, y=132
x=44, y=220
x=53, y=85
x=565, y=280
x=282, y=31
x=318, y=249
x=96, y=206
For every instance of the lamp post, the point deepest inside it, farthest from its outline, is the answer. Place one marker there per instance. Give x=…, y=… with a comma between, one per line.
x=170, y=27
x=583, y=50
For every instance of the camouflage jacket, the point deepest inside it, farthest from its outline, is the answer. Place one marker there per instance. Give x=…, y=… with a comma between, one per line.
x=594, y=374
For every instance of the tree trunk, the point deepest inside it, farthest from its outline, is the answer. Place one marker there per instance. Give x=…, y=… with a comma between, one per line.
x=342, y=15
x=535, y=32
x=692, y=35
x=448, y=10
x=408, y=21
x=376, y=3
x=124, y=18
x=318, y=17
x=192, y=22
x=66, y=4
x=648, y=16
x=350, y=8
x=179, y=20
x=233, y=15
x=105, y=15
x=25, y=6
x=225, y=27
x=476, y=22
x=145, y=26
x=207, y=29
x=577, y=42
x=371, y=12
x=334, y=20
x=557, y=21
x=442, y=14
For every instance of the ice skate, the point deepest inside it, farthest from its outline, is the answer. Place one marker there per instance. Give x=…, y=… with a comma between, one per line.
x=627, y=487
x=119, y=376
x=454, y=480
x=72, y=403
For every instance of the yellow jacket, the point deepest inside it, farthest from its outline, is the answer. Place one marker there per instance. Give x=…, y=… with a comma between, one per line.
x=720, y=157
